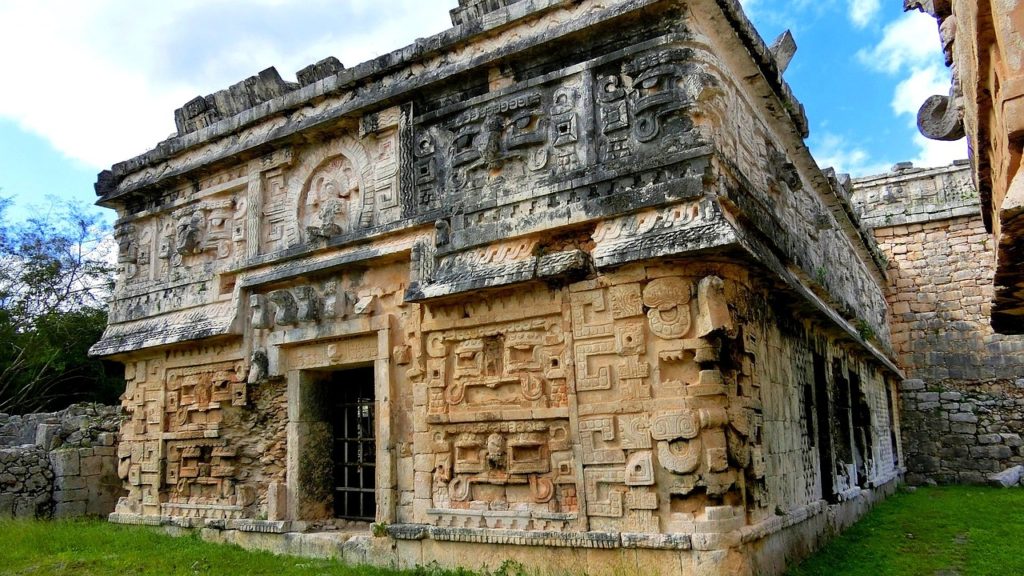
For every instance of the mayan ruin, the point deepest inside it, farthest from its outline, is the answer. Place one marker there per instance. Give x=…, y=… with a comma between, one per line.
x=563, y=285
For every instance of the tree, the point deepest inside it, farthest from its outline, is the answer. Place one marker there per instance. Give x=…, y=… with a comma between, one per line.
x=56, y=274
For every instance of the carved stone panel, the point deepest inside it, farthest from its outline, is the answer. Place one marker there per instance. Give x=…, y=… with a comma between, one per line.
x=330, y=202
x=505, y=369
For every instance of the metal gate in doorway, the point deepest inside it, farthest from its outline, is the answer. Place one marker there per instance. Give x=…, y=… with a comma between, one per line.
x=354, y=451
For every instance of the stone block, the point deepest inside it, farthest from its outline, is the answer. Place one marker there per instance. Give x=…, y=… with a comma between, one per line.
x=104, y=450
x=277, y=501
x=91, y=465
x=102, y=498
x=65, y=462
x=1012, y=440
x=73, y=509
x=911, y=385
x=989, y=438
x=69, y=483
x=967, y=477
x=48, y=436
x=1006, y=478
x=1000, y=451
x=963, y=417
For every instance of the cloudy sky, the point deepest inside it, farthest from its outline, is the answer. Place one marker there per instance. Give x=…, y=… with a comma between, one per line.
x=91, y=82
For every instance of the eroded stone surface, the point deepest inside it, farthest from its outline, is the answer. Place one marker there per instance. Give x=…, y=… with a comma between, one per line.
x=983, y=46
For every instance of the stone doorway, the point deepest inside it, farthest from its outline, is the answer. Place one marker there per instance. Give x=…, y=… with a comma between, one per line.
x=350, y=394
x=339, y=454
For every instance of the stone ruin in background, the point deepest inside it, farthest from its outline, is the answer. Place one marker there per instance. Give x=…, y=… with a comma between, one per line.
x=60, y=464
x=561, y=284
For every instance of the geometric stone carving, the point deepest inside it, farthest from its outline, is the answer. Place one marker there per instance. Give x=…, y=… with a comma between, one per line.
x=611, y=504
x=640, y=469
x=604, y=427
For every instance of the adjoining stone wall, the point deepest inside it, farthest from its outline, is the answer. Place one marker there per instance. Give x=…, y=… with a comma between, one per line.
x=960, y=432
x=59, y=464
x=962, y=404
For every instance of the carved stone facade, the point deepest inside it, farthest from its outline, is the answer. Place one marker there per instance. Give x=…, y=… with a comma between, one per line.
x=982, y=43
x=550, y=280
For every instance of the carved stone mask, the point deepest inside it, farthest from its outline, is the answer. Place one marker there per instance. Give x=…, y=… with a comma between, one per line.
x=669, y=315
x=496, y=451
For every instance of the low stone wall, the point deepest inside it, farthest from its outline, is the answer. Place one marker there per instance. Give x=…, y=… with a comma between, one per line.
x=961, y=432
x=60, y=464
x=26, y=482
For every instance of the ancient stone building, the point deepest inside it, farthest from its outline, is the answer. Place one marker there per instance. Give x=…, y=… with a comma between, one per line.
x=962, y=404
x=983, y=43
x=561, y=284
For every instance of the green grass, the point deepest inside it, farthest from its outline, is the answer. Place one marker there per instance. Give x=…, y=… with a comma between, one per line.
x=949, y=531
x=93, y=547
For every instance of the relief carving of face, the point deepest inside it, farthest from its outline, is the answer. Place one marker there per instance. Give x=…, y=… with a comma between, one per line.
x=332, y=190
x=496, y=451
x=187, y=233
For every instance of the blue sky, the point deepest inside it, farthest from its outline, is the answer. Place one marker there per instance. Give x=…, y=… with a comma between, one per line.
x=93, y=82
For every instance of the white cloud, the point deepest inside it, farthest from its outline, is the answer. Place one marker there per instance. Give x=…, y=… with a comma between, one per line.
x=931, y=153
x=834, y=151
x=922, y=83
x=911, y=41
x=863, y=12
x=910, y=93
x=100, y=80
x=910, y=48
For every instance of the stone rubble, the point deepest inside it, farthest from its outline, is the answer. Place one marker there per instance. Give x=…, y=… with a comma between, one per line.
x=1007, y=478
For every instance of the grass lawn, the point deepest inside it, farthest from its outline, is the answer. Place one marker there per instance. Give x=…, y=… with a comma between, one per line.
x=94, y=547
x=945, y=531
x=941, y=531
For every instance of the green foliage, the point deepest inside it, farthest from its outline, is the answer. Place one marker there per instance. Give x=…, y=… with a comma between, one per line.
x=965, y=530
x=820, y=274
x=435, y=569
x=511, y=568
x=55, y=277
x=864, y=330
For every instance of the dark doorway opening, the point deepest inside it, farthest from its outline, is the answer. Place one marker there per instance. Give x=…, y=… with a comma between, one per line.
x=826, y=481
x=862, y=437
x=354, y=451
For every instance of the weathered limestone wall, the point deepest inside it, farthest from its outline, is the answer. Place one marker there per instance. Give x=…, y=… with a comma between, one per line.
x=59, y=464
x=963, y=404
x=982, y=43
x=567, y=254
